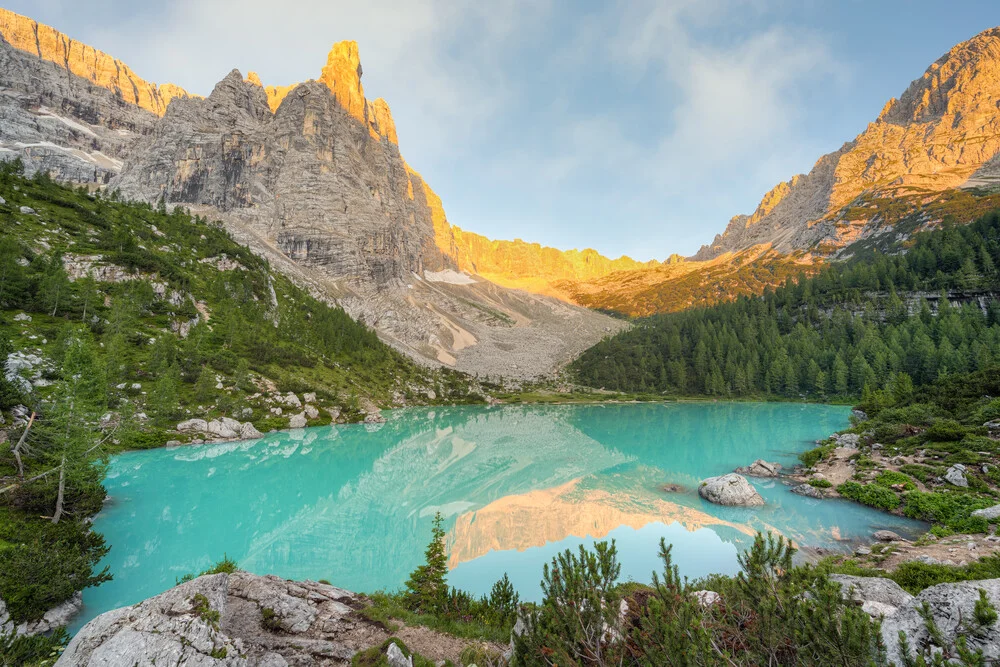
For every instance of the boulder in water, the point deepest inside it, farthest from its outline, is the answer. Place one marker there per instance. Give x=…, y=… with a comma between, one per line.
x=808, y=490
x=760, y=468
x=731, y=490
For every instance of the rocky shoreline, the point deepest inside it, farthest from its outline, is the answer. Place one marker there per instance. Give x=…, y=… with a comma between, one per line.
x=245, y=620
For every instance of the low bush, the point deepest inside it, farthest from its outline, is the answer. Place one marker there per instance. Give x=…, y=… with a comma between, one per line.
x=814, y=456
x=892, y=478
x=37, y=650
x=949, y=508
x=945, y=430
x=873, y=495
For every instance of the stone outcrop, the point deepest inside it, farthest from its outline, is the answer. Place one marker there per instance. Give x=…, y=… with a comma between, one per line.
x=952, y=607
x=955, y=475
x=57, y=617
x=942, y=133
x=808, y=490
x=760, y=468
x=235, y=620
x=877, y=596
x=225, y=428
x=989, y=513
x=731, y=489
x=315, y=182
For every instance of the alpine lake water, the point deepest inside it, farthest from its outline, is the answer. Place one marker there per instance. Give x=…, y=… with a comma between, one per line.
x=516, y=484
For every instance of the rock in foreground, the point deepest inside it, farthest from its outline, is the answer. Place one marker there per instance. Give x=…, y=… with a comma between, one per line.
x=234, y=620
x=731, y=489
x=952, y=607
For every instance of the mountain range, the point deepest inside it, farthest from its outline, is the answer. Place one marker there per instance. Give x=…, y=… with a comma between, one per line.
x=310, y=175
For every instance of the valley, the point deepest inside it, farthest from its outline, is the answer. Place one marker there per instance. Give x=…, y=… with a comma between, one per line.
x=241, y=326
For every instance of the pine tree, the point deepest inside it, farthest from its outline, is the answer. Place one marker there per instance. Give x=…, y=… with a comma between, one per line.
x=427, y=588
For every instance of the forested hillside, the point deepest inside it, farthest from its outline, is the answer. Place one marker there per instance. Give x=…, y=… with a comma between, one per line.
x=929, y=310
x=117, y=321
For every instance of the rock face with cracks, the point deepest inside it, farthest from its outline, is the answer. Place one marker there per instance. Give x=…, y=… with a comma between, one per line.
x=731, y=489
x=308, y=175
x=231, y=620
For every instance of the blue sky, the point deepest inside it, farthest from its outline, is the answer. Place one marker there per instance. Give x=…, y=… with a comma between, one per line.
x=633, y=127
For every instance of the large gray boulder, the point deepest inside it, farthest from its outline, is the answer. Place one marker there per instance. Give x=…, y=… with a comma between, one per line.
x=760, y=468
x=956, y=476
x=808, y=490
x=228, y=620
x=223, y=430
x=731, y=489
x=988, y=513
x=951, y=608
x=877, y=596
x=193, y=426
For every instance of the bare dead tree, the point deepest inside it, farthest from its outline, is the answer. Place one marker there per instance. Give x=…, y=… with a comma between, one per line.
x=20, y=445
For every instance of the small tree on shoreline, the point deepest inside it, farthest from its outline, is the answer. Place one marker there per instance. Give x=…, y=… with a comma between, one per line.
x=427, y=589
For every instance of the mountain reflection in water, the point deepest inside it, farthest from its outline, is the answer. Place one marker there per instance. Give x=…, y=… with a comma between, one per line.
x=515, y=484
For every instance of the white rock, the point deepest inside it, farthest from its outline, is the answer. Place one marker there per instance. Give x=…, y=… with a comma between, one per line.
x=297, y=421
x=394, y=656
x=22, y=317
x=707, y=598
x=27, y=210
x=951, y=608
x=309, y=397
x=956, y=476
x=221, y=430
x=731, y=489
x=192, y=426
x=250, y=432
x=760, y=468
x=988, y=513
x=292, y=401
x=311, y=412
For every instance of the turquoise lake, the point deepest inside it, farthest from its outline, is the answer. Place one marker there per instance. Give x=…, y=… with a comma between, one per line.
x=354, y=504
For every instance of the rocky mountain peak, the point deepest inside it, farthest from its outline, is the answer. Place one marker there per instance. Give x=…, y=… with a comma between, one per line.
x=342, y=75
x=942, y=133
x=238, y=99
x=97, y=67
x=254, y=78
x=966, y=79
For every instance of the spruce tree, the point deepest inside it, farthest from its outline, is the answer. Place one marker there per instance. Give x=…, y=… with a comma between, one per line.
x=427, y=589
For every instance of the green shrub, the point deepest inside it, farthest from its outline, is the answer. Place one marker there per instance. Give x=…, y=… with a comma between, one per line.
x=814, y=456
x=44, y=564
x=950, y=508
x=34, y=650
x=918, y=471
x=201, y=607
x=269, y=620
x=821, y=483
x=989, y=412
x=872, y=495
x=891, y=478
x=945, y=430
